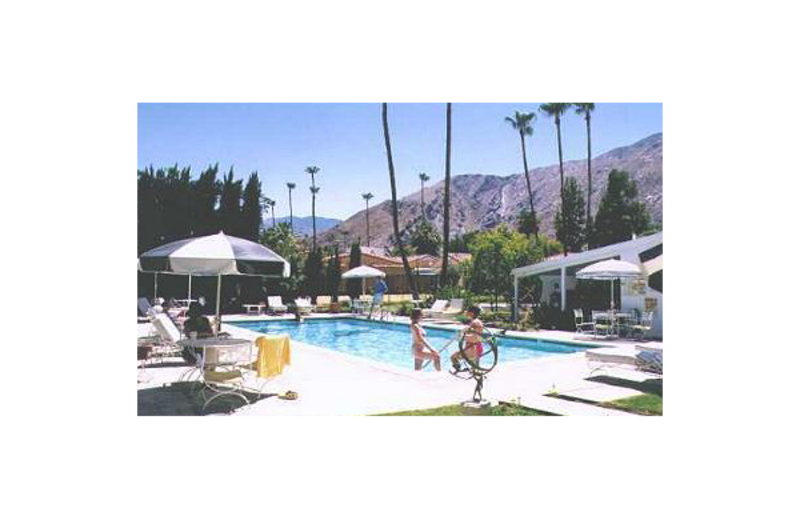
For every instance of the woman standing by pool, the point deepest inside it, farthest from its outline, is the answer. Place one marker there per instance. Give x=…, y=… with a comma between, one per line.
x=420, y=348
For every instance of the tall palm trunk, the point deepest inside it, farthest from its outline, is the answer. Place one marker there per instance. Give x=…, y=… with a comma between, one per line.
x=589, y=173
x=560, y=165
x=406, y=267
x=535, y=228
x=273, y=216
x=560, y=158
x=446, y=230
x=367, y=200
x=313, y=215
x=291, y=213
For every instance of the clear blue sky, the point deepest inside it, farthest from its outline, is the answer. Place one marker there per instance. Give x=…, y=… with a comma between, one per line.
x=346, y=142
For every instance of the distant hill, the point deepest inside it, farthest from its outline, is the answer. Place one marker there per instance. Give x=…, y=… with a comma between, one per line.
x=303, y=225
x=481, y=201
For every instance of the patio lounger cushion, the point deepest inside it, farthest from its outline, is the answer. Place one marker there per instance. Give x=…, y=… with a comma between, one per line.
x=221, y=376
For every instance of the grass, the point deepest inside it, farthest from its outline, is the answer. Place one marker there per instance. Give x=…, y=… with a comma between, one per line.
x=645, y=404
x=458, y=410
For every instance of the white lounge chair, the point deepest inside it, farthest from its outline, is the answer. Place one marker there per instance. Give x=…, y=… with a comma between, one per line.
x=276, y=304
x=303, y=305
x=650, y=359
x=455, y=308
x=168, y=337
x=323, y=302
x=437, y=307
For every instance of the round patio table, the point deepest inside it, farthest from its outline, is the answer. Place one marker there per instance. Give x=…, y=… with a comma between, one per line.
x=213, y=349
x=614, y=319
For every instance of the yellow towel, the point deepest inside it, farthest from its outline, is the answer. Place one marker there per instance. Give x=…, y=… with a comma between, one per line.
x=274, y=352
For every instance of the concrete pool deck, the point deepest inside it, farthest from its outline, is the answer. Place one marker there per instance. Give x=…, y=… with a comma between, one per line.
x=333, y=383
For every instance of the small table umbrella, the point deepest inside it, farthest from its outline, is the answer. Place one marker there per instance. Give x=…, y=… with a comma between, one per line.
x=215, y=255
x=610, y=270
x=363, y=272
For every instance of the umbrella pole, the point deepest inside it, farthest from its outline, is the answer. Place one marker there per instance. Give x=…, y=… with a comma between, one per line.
x=190, y=287
x=155, y=287
x=363, y=286
x=219, y=319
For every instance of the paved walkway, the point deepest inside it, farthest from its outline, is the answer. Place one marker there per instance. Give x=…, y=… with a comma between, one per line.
x=333, y=383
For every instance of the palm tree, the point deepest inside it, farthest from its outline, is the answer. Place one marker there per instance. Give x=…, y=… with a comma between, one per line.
x=446, y=227
x=367, y=196
x=395, y=218
x=423, y=178
x=523, y=123
x=313, y=170
x=586, y=109
x=291, y=186
x=556, y=110
x=272, y=205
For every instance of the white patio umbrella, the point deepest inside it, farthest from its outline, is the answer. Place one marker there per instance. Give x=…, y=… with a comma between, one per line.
x=610, y=270
x=363, y=272
x=215, y=255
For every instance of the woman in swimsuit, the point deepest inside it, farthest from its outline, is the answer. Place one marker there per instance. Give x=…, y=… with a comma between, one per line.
x=473, y=338
x=420, y=348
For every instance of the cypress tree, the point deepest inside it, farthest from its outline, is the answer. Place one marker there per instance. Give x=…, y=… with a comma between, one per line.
x=251, y=209
x=571, y=217
x=230, y=205
x=620, y=214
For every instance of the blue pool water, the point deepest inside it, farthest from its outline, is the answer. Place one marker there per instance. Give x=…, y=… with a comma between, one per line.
x=391, y=343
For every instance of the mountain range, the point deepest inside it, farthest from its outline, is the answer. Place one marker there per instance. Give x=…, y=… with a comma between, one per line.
x=481, y=201
x=303, y=225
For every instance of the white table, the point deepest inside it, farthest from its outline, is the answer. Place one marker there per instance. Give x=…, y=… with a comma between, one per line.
x=214, y=356
x=259, y=307
x=613, y=318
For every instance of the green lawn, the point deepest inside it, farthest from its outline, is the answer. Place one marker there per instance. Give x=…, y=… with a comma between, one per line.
x=645, y=404
x=458, y=410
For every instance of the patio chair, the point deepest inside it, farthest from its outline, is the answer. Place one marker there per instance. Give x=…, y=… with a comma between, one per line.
x=168, y=336
x=650, y=359
x=602, y=323
x=455, y=308
x=143, y=308
x=276, y=304
x=641, y=329
x=323, y=302
x=304, y=305
x=582, y=327
x=437, y=307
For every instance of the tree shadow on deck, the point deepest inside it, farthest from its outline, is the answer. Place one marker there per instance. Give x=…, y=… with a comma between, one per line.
x=183, y=399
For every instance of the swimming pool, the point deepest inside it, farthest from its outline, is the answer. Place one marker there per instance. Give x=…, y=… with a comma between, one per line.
x=391, y=343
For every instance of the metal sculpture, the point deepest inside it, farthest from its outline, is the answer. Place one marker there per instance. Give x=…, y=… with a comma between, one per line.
x=478, y=368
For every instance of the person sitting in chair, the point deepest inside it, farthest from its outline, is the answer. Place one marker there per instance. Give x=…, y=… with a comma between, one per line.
x=197, y=323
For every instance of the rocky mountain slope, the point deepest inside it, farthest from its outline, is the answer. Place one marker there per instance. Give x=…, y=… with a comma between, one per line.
x=483, y=201
x=303, y=225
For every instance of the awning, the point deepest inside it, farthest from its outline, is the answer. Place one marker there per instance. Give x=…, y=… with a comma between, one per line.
x=655, y=265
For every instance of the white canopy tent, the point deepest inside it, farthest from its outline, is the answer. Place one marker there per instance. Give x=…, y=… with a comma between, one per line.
x=610, y=270
x=363, y=272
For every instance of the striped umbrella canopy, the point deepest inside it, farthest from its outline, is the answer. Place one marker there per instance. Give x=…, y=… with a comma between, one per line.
x=215, y=255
